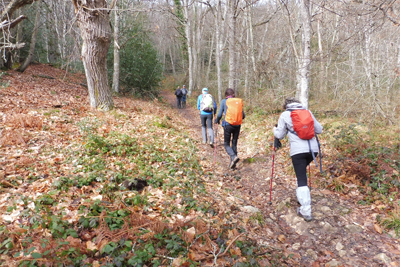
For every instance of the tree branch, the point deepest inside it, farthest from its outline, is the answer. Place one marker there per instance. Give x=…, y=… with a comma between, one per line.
x=12, y=6
x=11, y=24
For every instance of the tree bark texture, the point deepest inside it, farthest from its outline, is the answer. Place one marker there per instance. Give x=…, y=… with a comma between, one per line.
x=232, y=45
x=115, y=84
x=189, y=42
x=94, y=23
x=219, y=47
x=28, y=60
x=305, y=57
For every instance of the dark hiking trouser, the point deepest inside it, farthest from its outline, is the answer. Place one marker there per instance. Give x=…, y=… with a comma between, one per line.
x=184, y=101
x=206, y=126
x=300, y=163
x=231, y=133
x=179, y=101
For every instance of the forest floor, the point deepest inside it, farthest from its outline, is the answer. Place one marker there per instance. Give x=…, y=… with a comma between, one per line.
x=342, y=233
x=59, y=182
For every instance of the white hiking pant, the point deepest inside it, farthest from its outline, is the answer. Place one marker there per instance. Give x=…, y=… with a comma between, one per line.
x=304, y=198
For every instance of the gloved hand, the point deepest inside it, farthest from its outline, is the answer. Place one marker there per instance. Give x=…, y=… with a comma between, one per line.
x=216, y=121
x=277, y=143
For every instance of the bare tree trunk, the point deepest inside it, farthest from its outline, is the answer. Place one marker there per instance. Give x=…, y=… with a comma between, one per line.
x=33, y=39
x=195, y=45
x=172, y=60
x=303, y=77
x=369, y=70
x=188, y=34
x=321, y=58
x=250, y=52
x=94, y=22
x=115, y=85
x=18, y=39
x=246, y=72
x=232, y=5
x=219, y=47
x=210, y=58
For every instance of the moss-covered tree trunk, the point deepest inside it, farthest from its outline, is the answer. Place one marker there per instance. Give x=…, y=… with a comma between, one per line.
x=94, y=23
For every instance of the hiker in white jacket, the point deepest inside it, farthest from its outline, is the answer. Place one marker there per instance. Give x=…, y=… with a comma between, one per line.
x=299, y=152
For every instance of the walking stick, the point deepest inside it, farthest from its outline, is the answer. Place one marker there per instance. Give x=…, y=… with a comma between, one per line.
x=309, y=175
x=215, y=143
x=272, y=176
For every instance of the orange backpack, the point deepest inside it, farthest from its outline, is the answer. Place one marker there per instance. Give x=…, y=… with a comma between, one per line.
x=303, y=123
x=234, y=112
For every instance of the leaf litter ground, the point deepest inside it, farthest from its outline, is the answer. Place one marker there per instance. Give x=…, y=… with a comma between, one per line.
x=67, y=174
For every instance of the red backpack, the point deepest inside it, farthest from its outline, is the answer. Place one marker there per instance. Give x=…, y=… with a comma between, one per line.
x=303, y=123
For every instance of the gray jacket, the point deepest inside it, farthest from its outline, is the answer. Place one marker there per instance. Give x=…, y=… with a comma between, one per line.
x=297, y=145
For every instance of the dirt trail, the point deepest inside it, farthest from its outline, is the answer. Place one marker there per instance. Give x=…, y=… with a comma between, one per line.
x=342, y=232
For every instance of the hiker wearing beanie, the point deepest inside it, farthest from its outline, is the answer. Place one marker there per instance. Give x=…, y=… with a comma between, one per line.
x=233, y=109
x=301, y=150
x=207, y=106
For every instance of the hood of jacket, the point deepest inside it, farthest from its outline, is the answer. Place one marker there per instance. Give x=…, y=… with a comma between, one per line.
x=294, y=106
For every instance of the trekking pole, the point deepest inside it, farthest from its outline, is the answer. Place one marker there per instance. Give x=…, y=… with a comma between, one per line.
x=272, y=176
x=215, y=143
x=309, y=175
x=277, y=145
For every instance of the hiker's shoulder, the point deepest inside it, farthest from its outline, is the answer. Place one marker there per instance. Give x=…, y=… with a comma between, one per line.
x=285, y=114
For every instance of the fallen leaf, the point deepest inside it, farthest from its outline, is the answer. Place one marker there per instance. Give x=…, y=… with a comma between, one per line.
x=282, y=238
x=91, y=246
x=74, y=242
x=236, y=251
x=191, y=232
x=194, y=256
x=378, y=228
x=177, y=262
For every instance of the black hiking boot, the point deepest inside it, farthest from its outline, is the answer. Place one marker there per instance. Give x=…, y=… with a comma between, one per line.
x=233, y=163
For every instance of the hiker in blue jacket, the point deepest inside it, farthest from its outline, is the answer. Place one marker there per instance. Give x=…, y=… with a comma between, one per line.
x=206, y=117
x=299, y=152
x=231, y=132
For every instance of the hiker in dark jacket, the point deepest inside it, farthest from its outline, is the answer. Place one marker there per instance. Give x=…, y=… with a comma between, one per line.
x=206, y=118
x=299, y=152
x=179, y=95
x=231, y=132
